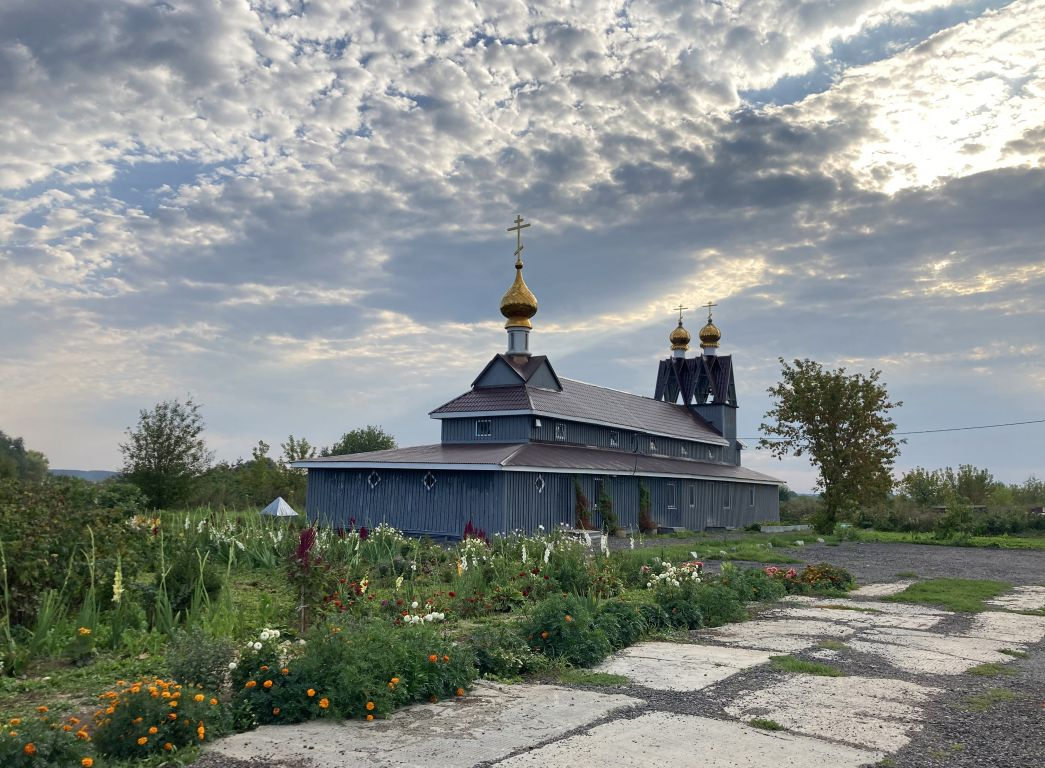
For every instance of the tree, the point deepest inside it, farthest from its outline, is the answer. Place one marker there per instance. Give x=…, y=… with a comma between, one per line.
x=297, y=449
x=19, y=463
x=361, y=440
x=165, y=452
x=841, y=422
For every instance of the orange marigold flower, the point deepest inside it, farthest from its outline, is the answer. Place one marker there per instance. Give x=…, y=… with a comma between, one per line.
x=87, y=762
x=198, y=697
x=135, y=721
x=83, y=735
x=250, y=684
x=15, y=721
x=214, y=702
x=544, y=634
x=275, y=710
x=267, y=684
x=29, y=749
x=324, y=703
x=67, y=728
x=153, y=730
x=433, y=698
x=84, y=631
x=172, y=716
x=395, y=680
x=369, y=717
x=136, y=689
x=446, y=658
x=568, y=618
x=172, y=703
x=74, y=720
x=285, y=671
x=142, y=741
x=168, y=746
x=433, y=658
x=41, y=709
x=460, y=691
x=110, y=710
x=310, y=692
x=200, y=733
x=264, y=667
x=370, y=706
x=391, y=686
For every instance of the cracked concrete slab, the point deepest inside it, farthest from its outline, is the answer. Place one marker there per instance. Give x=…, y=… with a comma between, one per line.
x=929, y=653
x=867, y=712
x=1007, y=628
x=860, y=615
x=881, y=590
x=680, y=666
x=1021, y=599
x=487, y=725
x=664, y=738
x=778, y=635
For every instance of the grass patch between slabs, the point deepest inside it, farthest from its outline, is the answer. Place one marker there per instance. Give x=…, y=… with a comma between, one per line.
x=791, y=664
x=962, y=595
x=833, y=645
x=1014, y=653
x=587, y=677
x=849, y=608
x=981, y=702
x=992, y=669
x=765, y=725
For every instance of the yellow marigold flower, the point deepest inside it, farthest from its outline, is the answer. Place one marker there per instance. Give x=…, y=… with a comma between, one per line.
x=136, y=689
x=87, y=762
x=153, y=730
x=172, y=703
x=84, y=631
x=29, y=749
x=198, y=697
x=267, y=684
x=250, y=684
x=200, y=732
x=142, y=741
x=324, y=703
x=41, y=709
x=310, y=692
x=370, y=706
x=369, y=717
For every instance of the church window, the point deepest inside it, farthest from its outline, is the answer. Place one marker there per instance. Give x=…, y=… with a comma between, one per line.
x=483, y=428
x=429, y=481
x=652, y=446
x=751, y=496
x=692, y=496
x=560, y=430
x=711, y=453
x=373, y=479
x=683, y=451
x=614, y=439
x=539, y=484
x=726, y=504
x=671, y=496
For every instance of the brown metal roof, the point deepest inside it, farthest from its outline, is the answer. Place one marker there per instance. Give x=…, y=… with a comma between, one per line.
x=588, y=403
x=549, y=457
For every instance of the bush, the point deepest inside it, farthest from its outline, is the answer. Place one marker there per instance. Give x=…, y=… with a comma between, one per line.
x=681, y=610
x=821, y=578
x=622, y=622
x=198, y=659
x=718, y=605
x=154, y=716
x=654, y=616
x=500, y=651
x=38, y=741
x=186, y=571
x=563, y=627
x=751, y=584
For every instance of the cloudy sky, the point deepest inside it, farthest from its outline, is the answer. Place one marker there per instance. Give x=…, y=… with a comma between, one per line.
x=296, y=211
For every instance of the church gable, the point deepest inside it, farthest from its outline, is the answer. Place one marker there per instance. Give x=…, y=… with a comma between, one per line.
x=498, y=373
x=508, y=371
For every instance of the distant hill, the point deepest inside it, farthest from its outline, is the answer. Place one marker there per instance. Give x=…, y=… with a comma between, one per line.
x=92, y=475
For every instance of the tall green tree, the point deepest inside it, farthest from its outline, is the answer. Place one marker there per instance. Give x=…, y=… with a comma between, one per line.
x=18, y=462
x=841, y=422
x=165, y=452
x=361, y=440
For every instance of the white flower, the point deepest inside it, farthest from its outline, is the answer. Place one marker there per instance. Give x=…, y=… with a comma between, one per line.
x=232, y=665
x=413, y=566
x=301, y=642
x=540, y=527
x=547, y=553
x=257, y=646
x=524, y=553
x=800, y=543
x=413, y=604
x=631, y=542
x=275, y=633
x=264, y=635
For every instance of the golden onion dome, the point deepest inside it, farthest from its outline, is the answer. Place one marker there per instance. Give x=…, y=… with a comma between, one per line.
x=710, y=334
x=518, y=304
x=679, y=337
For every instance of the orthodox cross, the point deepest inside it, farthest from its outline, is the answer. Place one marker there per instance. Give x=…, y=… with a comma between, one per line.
x=680, y=308
x=517, y=229
x=709, y=305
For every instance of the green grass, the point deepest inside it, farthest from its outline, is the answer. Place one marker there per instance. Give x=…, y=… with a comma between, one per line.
x=587, y=677
x=791, y=664
x=992, y=669
x=765, y=725
x=981, y=702
x=1028, y=541
x=1014, y=653
x=907, y=575
x=833, y=645
x=962, y=595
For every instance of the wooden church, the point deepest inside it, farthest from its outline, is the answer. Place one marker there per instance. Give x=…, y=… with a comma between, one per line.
x=523, y=443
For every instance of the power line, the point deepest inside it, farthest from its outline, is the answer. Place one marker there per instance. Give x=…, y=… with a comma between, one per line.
x=931, y=431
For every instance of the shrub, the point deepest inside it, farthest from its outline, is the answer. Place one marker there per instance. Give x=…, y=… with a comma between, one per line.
x=187, y=570
x=751, y=583
x=654, y=615
x=563, y=627
x=154, y=716
x=500, y=650
x=39, y=741
x=718, y=605
x=827, y=577
x=628, y=623
x=196, y=658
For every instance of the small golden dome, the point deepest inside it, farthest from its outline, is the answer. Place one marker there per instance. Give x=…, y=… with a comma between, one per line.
x=680, y=337
x=518, y=304
x=710, y=334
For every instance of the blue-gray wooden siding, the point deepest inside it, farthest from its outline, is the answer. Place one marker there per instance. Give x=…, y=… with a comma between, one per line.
x=510, y=429
x=506, y=501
